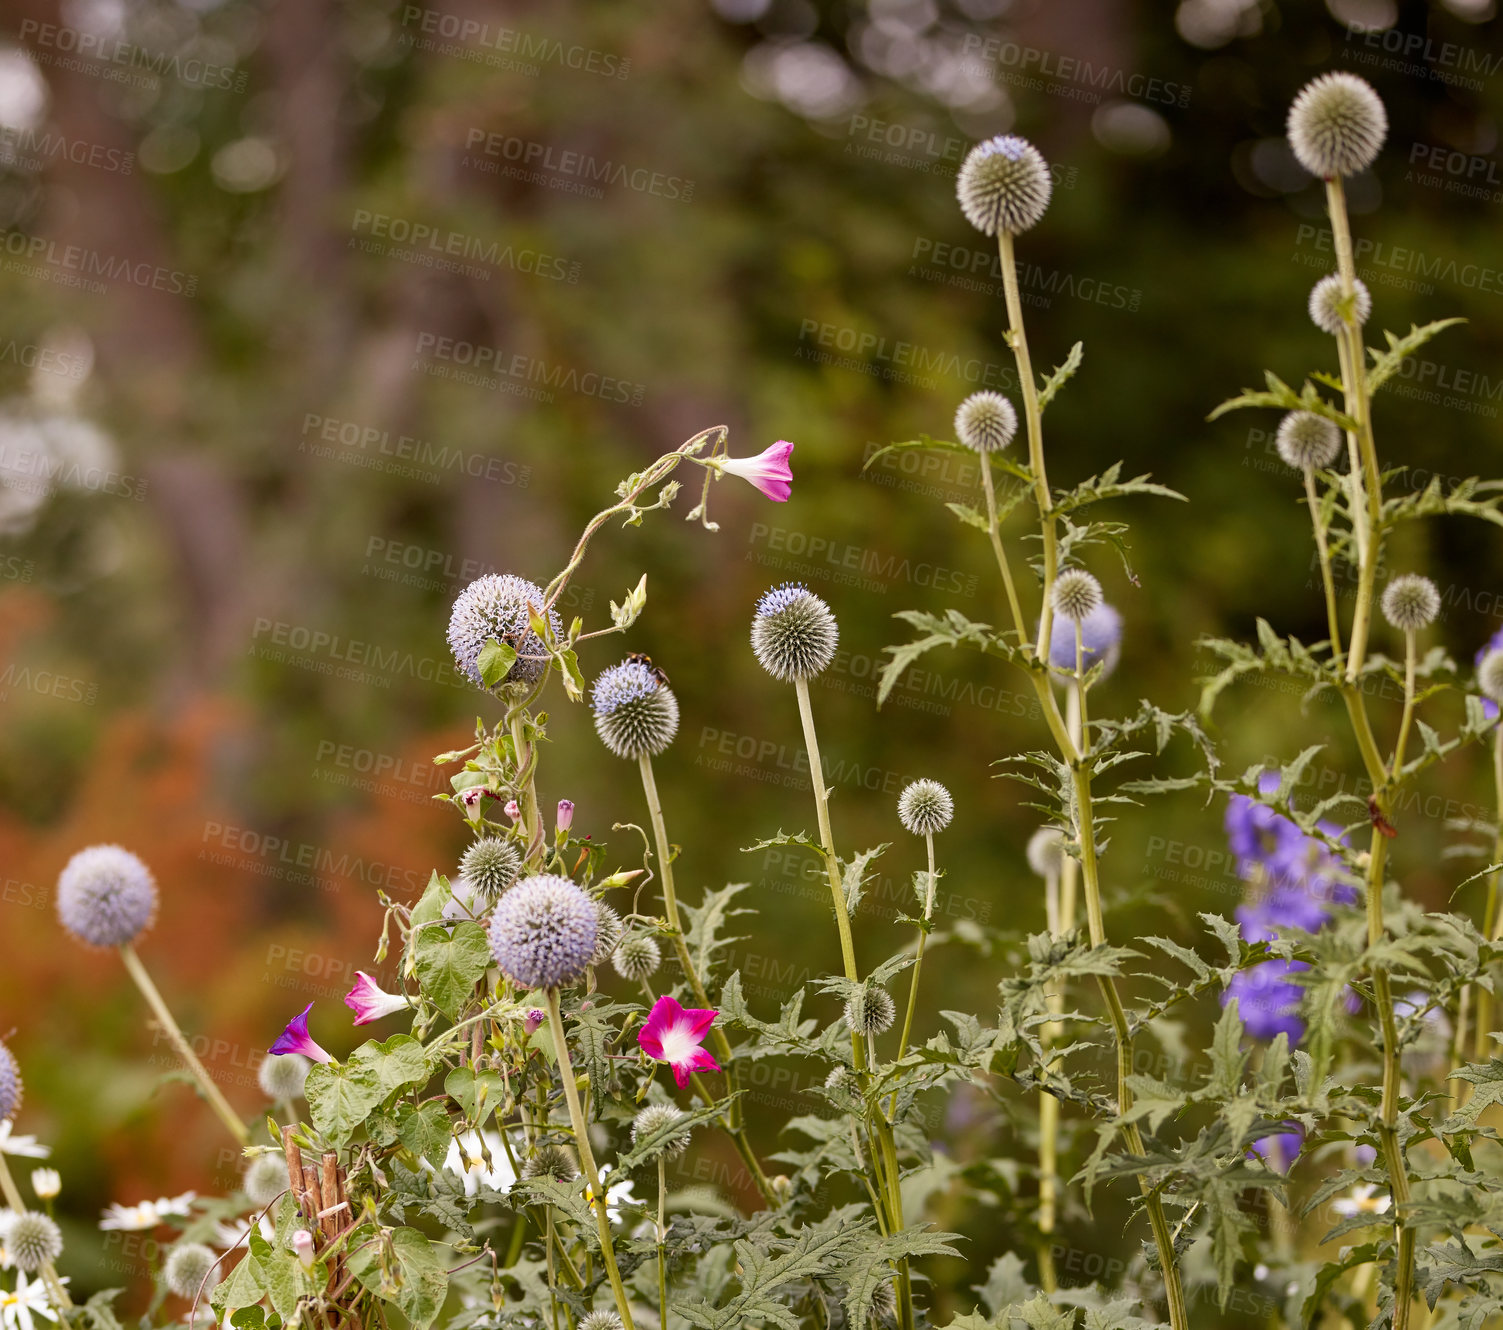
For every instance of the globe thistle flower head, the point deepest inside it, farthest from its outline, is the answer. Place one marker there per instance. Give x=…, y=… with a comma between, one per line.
x=187, y=1266
x=543, y=932
x=986, y=422
x=636, y=713
x=607, y=933
x=601, y=1321
x=1077, y=595
x=283, y=1075
x=1325, y=303
x=659, y=1117
x=884, y=1308
x=793, y=634
x=1004, y=185
x=637, y=957
x=32, y=1240
x=551, y=1161
x=106, y=896
x=1489, y=677
x=870, y=1011
x=1337, y=124
x=1100, y=641
x=1410, y=602
x=11, y=1087
x=490, y=865
x=1046, y=852
x=496, y=607
x=925, y=807
x=265, y=1179
x=1308, y=442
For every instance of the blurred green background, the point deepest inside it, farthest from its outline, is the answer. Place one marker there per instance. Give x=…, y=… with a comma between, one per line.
x=248, y=254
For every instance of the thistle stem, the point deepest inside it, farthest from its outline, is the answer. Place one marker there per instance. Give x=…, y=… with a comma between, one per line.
x=995, y=535
x=1033, y=418
x=170, y=1027
x=662, y=1244
x=1333, y=619
x=12, y=1195
x=587, y=1158
x=918, y=958
x=1408, y=717
x=733, y=1120
x=827, y=840
x=1492, y=917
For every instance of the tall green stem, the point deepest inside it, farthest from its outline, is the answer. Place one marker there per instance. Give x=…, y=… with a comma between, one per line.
x=1333, y=619
x=918, y=958
x=1034, y=420
x=587, y=1159
x=217, y=1101
x=12, y=1194
x=994, y=532
x=1492, y=917
x=733, y=1122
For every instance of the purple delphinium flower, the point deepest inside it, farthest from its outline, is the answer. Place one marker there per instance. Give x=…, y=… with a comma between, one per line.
x=1281, y=1148
x=1494, y=643
x=1257, y=833
x=1268, y=999
x=1283, y=907
x=1100, y=640
x=296, y=1039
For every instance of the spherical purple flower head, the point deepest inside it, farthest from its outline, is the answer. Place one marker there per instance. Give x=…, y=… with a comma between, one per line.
x=636, y=713
x=1100, y=640
x=496, y=607
x=543, y=932
x=1003, y=185
x=10, y=1084
x=106, y=896
x=1280, y=1149
x=1268, y=1000
x=793, y=633
x=1258, y=834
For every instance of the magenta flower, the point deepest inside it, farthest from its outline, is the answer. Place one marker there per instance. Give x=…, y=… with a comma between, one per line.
x=296, y=1039
x=675, y=1035
x=768, y=470
x=369, y=1002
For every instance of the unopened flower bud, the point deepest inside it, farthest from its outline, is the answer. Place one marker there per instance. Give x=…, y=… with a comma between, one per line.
x=565, y=816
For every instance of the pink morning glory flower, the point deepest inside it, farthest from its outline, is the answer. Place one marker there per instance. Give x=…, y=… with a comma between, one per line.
x=296, y=1039
x=768, y=470
x=369, y=1002
x=675, y=1035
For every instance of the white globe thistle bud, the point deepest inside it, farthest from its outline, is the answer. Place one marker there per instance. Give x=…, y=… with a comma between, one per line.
x=793, y=634
x=551, y=1161
x=870, y=1010
x=884, y=1308
x=1410, y=602
x=637, y=957
x=1490, y=675
x=1046, y=851
x=32, y=1240
x=655, y=1118
x=490, y=865
x=283, y=1075
x=607, y=933
x=1337, y=124
x=496, y=607
x=265, y=1179
x=1308, y=442
x=543, y=932
x=1004, y=185
x=1325, y=303
x=838, y=1079
x=187, y=1266
x=925, y=807
x=601, y=1321
x=986, y=422
x=106, y=896
x=1076, y=594
x=46, y=1183
x=636, y=713
x=11, y=1087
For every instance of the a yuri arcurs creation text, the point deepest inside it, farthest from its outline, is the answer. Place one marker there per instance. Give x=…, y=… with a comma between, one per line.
x=1293, y=1106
